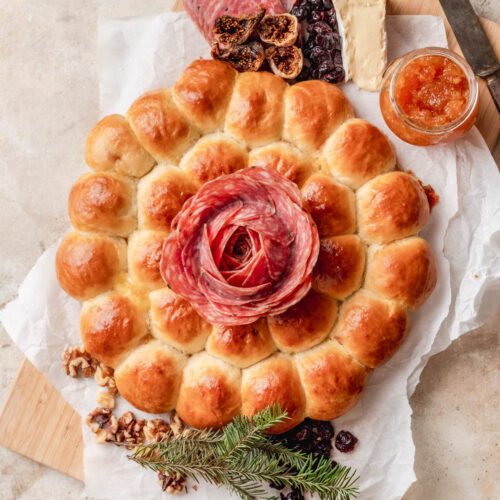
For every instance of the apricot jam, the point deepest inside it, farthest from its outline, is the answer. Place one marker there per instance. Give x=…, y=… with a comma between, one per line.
x=429, y=96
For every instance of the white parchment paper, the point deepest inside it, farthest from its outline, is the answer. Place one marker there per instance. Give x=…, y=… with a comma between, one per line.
x=141, y=53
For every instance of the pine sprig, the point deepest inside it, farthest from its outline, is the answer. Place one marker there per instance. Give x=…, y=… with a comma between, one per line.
x=242, y=457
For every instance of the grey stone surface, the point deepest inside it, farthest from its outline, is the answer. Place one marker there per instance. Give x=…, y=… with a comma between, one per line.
x=48, y=92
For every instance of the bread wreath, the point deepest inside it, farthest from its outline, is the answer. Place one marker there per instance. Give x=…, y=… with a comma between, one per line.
x=373, y=268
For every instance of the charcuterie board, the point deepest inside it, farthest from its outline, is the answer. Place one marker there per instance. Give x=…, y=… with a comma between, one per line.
x=38, y=423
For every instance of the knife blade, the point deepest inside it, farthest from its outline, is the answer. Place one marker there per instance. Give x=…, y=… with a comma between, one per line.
x=474, y=43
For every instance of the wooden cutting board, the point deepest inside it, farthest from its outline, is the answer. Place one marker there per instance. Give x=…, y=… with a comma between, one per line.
x=37, y=422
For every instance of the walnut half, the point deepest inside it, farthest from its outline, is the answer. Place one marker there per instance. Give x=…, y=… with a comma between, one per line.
x=103, y=424
x=157, y=429
x=104, y=376
x=130, y=430
x=77, y=361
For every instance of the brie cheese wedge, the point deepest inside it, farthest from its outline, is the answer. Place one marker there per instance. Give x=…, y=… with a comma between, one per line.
x=364, y=48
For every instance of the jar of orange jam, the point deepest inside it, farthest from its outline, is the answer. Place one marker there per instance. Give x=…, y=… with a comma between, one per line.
x=429, y=96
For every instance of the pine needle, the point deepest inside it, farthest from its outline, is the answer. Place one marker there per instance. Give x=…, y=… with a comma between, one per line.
x=241, y=457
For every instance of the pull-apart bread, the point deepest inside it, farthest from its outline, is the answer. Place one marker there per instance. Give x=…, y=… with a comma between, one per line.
x=310, y=350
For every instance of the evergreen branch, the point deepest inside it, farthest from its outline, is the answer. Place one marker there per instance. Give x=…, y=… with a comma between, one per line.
x=242, y=457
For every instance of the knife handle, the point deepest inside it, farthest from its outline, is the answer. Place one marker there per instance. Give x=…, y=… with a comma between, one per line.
x=493, y=82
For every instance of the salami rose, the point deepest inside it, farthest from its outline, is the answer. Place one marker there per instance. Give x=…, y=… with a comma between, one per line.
x=242, y=248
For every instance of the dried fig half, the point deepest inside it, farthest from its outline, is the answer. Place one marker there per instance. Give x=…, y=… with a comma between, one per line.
x=281, y=30
x=230, y=31
x=247, y=57
x=285, y=61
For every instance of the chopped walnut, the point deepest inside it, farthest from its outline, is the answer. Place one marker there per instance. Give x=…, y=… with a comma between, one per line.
x=76, y=360
x=176, y=424
x=130, y=431
x=172, y=485
x=103, y=423
x=104, y=376
x=157, y=429
x=105, y=399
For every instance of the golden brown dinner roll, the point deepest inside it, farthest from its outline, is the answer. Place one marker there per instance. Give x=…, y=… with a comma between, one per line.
x=313, y=110
x=203, y=92
x=241, y=345
x=103, y=203
x=87, y=265
x=289, y=161
x=339, y=269
x=271, y=382
x=175, y=321
x=111, y=145
x=161, y=195
x=405, y=271
x=150, y=377
x=212, y=156
x=160, y=126
x=357, y=152
x=333, y=380
x=390, y=207
x=255, y=114
x=110, y=325
x=144, y=255
x=305, y=324
x=331, y=205
x=370, y=328
x=210, y=394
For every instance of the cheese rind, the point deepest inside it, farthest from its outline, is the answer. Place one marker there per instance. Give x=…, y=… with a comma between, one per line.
x=364, y=50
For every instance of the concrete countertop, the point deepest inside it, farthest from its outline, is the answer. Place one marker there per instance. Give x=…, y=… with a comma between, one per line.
x=48, y=85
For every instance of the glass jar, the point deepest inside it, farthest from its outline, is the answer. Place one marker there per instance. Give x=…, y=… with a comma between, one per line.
x=425, y=98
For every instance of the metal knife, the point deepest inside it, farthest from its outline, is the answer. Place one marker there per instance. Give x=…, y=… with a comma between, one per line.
x=474, y=43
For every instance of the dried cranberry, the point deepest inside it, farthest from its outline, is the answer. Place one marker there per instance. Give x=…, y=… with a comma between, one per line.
x=315, y=74
x=334, y=76
x=323, y=429
x=316, y=3
x=293, y=495
x=332, y=18
x=316, y=16
x=326, y=42
x=318, y=55
x=322, y=449
x=311, y=42
x=345, y=441
x=321, y=28
x=337, y=58
x=300, y=12
x=327, y=4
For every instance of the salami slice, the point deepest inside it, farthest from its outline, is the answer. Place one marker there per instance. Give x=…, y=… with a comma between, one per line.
x=205, y=12
x=242, y=248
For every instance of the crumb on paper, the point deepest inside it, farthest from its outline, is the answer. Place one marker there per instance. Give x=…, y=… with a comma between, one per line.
x=105, y=400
